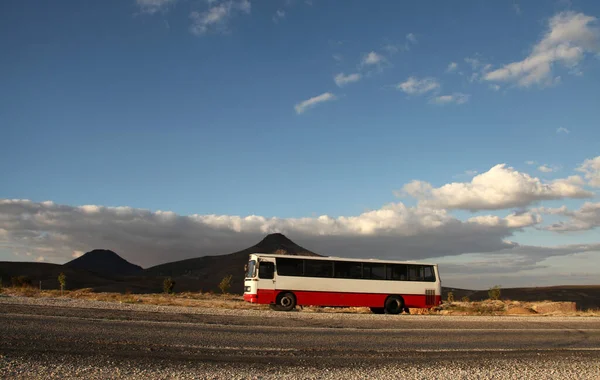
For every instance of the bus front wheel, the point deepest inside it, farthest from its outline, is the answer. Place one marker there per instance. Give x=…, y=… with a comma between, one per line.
x=286, y=302
x=394, y=305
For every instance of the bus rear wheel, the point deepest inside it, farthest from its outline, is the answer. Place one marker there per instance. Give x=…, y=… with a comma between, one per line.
x=394, y=305
x=286, y=302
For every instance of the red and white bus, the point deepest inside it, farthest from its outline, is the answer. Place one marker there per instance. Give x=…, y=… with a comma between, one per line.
x=384, y=286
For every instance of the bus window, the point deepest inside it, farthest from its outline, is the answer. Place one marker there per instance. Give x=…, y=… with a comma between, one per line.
x=429, y=273
x=250, y=269
x=318, y=268
x=290, y=267
x=347, y=269
x=396, y=272
x=266, y=270
x=374, y=271
x=415, y=273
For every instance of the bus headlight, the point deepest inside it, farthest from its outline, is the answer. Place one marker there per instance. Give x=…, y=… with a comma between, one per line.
x=246, y=289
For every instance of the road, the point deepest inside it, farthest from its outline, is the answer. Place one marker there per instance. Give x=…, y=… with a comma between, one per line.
x=39, y=341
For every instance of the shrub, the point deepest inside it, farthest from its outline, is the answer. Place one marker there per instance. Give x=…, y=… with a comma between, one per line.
x=494, y=292
x=450, y=297
x=225, y=284
x=168, y=285
x=20, y=281
x=465, y=299
x=62, y=280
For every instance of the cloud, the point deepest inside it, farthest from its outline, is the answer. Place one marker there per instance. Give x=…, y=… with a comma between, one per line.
x=479, y=68
x=591, y=170
x=153, y=6
x=495, y=87
x=372, y=59
x=501, y=187
x=452, y=66
x=563, y=130
x=410, y=37
x=530, y=162
x=342, y=79
x=415, y=86
x=61, y=232
x=279, y=15
x=455, y=98
x=547, y=169
x=569, y=38
x=215, y=19
x=309, y=103
x=586, y=218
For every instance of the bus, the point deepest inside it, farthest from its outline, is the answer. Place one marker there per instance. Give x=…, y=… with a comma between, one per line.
x=384, y=286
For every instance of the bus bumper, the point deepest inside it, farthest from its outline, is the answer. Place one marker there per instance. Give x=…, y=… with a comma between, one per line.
x=252, y=298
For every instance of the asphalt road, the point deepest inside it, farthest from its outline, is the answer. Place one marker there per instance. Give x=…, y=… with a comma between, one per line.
x=42, y=341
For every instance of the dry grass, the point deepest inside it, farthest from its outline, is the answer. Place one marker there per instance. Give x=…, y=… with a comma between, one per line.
x=210, y=300
x=233, y=301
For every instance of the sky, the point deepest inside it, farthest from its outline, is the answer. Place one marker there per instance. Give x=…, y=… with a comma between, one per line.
x=462, y=133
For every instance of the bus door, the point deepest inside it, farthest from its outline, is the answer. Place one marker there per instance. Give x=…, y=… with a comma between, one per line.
x=266, y=280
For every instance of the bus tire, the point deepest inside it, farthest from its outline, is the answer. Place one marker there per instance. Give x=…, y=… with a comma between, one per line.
x=394, y=305
x=286, y=301
x=376, y=310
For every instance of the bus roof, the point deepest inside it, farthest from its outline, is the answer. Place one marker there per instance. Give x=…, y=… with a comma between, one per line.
x=340, y=259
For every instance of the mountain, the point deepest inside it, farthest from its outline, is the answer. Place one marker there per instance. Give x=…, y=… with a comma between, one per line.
x=104, y=262
x=205, y=273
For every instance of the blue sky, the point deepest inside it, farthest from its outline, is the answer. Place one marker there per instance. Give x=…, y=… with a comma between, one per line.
x=194, y=107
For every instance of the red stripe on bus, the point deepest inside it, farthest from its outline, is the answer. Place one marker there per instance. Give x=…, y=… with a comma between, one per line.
x=311, y=298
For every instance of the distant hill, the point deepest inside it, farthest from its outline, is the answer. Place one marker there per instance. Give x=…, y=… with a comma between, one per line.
x=105, y=262
x=205, y=273
x=105, y=271
x=48, y=275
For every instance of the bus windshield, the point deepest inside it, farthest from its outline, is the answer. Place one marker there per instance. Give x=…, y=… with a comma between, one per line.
x=251, y=269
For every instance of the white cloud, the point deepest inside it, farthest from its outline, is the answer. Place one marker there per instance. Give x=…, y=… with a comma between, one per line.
x=215, y=19
x=530, y=162
x=455, y=98
x=547, y=169
x=569, y=37
x=61, y=232
x=452, y=66
x=479, y=68
x=514, y=220
x=495, y=87
x=410, y=37
x=342, y=79
x=337, y=57
x=309, y=103
x=591, y=170
x=77, y=254
x=279, y=15
x=586, y=218
x=499, y=188
x=415, y=86
x=471, y=172
x=563, y=130
x=153, y=6
x=372, y=58
x=40, y=259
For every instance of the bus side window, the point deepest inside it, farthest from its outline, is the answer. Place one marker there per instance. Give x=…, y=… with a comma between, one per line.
x=347, y=269
x=266, y=270
x=318, y=268
x=429, y=274
x=415, y=273
x=398, y=272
